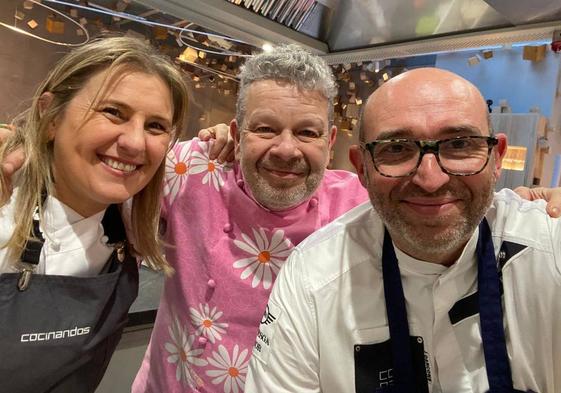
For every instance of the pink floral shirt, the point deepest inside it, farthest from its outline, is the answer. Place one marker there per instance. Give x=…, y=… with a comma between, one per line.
x=226, y=251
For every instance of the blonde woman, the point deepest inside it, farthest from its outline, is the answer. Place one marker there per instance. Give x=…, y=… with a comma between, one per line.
x=95, y=136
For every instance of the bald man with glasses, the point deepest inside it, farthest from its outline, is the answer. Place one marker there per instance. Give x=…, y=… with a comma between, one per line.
x=438, y=284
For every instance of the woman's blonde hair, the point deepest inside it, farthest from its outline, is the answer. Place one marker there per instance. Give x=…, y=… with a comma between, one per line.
x=114, y=55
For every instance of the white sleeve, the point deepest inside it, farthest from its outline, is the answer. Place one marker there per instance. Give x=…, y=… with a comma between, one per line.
x=556, y=240
x=285, y=355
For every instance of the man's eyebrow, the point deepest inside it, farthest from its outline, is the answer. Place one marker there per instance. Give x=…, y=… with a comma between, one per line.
x=275, y=120
x=396, y=134
x=448, y=131
x=461, y=129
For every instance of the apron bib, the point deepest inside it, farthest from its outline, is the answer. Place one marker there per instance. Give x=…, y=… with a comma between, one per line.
x=490, y=313
x=57, y=333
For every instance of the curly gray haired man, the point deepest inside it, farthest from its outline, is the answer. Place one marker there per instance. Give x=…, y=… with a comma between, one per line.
x=284, y=125
x=289, y=64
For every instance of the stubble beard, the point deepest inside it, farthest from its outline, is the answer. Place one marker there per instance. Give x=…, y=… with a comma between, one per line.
x=434, y=237
x=280, y=197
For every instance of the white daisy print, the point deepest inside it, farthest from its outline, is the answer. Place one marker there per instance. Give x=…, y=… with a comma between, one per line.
x=206, y=321
x=177, y=170
x=183, y=355
x=267, y=256
x=201, y=163
x=231, y=371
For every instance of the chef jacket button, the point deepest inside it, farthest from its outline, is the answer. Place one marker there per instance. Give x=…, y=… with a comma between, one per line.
x=239, y=182
x=55, y=246
x=211, y=283
x=203, y=340
x=313, y=202
x=104, y=239
x=227, y=228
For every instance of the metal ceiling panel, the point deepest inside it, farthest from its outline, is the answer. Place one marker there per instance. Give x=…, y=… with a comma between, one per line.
x=457, y=42
x=522, y=12
x=360, y=23
x=237, y=22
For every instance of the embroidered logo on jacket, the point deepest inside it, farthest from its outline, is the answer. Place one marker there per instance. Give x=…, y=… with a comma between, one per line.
x=266, y=332
x=55, y=335
x=268, y=317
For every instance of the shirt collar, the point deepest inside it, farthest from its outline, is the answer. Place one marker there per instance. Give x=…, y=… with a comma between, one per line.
x=58, y=215
x=464, y=262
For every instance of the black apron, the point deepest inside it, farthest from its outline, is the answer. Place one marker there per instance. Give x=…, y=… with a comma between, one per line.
x=490, y=313
x=57, y=333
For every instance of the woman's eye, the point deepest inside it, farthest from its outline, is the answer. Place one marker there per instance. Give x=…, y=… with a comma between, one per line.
x=112, y=111
x=157, y=128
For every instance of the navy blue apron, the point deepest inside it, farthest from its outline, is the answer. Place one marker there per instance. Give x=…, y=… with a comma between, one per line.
x=490, y=313
x=57, y=333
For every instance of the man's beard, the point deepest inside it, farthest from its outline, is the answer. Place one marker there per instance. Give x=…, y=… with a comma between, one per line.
x=435, y=236
x=281, y=197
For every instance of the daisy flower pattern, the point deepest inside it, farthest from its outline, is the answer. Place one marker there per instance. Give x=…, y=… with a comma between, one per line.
x=231, y=371
x=267, y=256
x=201, y=163
x=183, y=355
x=206, y=321
x=177, y=170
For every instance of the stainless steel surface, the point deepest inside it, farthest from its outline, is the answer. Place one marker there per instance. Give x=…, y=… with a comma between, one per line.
x=359, y=23
x=521, y=12
x=236, y=22
x=474, y=40
x=149, y=290
x=360, y=30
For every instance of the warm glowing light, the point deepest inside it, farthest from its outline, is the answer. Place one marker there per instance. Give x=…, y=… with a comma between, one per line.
x=267, y=47
x=189, y=55
x=515, y=158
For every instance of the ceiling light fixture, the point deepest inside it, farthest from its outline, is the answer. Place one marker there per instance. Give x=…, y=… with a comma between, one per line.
x=33, y=24
x=103, y=10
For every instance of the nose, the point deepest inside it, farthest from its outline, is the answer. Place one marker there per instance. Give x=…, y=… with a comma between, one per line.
x=132, y=139
x=286, y=146
x=429, y=176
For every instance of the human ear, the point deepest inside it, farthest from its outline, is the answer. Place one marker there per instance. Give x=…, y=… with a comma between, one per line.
x=332, y=136
x=330, y=143
x=356, y=158
x=44, y=103
x=499, y=152
x=235, y=134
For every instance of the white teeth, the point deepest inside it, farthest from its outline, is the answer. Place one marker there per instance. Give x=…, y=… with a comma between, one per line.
x=119, y=165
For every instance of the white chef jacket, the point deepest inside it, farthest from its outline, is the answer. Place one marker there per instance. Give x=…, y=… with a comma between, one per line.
x=326, y=317
x=74, y=245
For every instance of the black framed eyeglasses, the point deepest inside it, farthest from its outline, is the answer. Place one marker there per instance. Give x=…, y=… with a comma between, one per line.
x=459, y=156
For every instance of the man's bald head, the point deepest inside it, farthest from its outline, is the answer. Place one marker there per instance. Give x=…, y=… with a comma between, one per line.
x=429, y=211
x=415, y=89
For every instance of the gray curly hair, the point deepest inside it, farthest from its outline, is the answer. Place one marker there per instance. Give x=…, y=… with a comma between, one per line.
x=287, y=63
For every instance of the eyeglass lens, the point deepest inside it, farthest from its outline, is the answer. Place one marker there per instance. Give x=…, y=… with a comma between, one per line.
x=457, y=156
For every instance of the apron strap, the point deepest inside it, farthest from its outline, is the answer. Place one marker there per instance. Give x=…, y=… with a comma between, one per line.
x=30, y=256
x=32, y=249
x=491, y=314
x=113, y=228
x=396, y=310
